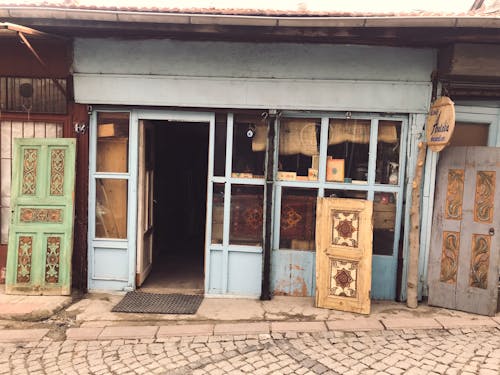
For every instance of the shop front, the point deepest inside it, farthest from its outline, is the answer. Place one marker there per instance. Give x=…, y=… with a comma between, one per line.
x=207, y=159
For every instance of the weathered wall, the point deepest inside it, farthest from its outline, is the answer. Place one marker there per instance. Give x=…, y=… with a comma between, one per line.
x=253, y=75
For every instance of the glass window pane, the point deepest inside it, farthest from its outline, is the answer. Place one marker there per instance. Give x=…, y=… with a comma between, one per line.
x=389, y=136
x=332, y=193
x=384, y=221
x=112, y=142
x=298, y=218
x=217, y=213
x=249, y=146
x=299, y=149
x=111, y=208
x=246, y=215
x=347, y=156
x=220, y=144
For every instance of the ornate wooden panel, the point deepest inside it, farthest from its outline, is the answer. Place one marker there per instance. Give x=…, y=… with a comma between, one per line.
x=343, y=278
x=30, y=163
x=464, y=258
x=41, y=232
x=344, y=235
x=485, y=192
x=41, y=215
x=24, y=259
x=345, y=228
x=449, y=257
x=480, y=261
x=52, y=259
x=57, y=171
x=454, y=194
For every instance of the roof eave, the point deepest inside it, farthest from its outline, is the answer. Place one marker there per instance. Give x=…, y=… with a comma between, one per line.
x=7, y=12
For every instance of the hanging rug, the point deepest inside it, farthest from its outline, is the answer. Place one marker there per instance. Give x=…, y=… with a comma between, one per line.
x=152, y=303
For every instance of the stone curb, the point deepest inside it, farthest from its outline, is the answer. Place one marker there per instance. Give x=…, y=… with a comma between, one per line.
x=38, y=315
x=250, y=328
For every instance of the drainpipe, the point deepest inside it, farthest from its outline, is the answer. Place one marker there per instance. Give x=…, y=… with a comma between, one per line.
x=268, y=204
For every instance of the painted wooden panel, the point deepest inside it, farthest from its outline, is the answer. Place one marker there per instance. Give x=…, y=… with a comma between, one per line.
x=244, y=273
x=41, y=232
x=344, y=235
x=294, y=94
x=463, y=269
x=252, y=60
x=215, y=277
x=293, y=272
x=109, y=265
x=383, y=286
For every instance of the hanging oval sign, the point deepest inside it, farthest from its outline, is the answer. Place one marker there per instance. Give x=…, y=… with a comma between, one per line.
x=440, y=123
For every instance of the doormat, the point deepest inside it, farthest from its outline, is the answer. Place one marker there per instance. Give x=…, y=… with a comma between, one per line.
x=152, y=303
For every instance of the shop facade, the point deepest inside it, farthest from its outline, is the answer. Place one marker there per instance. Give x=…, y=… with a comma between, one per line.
x=358, y=106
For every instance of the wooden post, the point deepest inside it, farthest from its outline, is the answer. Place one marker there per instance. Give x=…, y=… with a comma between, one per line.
x=412, y=293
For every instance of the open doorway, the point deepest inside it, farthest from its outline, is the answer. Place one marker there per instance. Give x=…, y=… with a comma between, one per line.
x=179, y=153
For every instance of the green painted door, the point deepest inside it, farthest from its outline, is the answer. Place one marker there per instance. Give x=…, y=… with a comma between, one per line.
x=41, y=228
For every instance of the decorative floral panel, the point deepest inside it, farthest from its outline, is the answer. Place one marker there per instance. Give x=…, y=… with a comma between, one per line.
x=57, y=171
x=345, y=228
x=24, y=253
x=41, y=215
x=485, y=192
x=454, y=194
x=30, y=161
x=449, y=257
x=480, y=261
x=343, y=278
x=52, y=259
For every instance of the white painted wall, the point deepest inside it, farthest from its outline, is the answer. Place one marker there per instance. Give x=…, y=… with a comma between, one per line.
x=253, y=75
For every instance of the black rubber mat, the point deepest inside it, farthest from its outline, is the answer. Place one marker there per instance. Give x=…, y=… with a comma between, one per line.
x=139, y=302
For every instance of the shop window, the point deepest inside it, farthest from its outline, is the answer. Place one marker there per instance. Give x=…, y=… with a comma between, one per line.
x=299, y=141
x=348, y=146
x=298, y=218
x=384, y=223
x=9, y=130
x=112, y=142
x=111, y=208
x=246, y=223
x=220, y=144
x=249, y=146
x=217, y=213
x=389, y=138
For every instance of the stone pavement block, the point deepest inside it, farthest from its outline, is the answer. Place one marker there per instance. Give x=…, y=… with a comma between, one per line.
x=241, y=328
x=458, y=322
x=19, y=335
x=128, y=332
x=298, y=327
x=496, y=319
x=86, y=333
x=185, y=330
x=411, y=323
x=355, y=325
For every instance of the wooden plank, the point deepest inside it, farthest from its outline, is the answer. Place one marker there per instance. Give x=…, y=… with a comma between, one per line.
x=472, y=60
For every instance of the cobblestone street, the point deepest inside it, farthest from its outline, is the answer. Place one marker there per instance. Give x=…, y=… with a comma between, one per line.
x=436, y=351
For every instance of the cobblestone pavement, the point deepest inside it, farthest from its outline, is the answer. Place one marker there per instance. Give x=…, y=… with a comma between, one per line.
x=460, y=351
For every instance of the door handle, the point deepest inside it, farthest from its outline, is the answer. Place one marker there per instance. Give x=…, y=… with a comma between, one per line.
x=491, y=231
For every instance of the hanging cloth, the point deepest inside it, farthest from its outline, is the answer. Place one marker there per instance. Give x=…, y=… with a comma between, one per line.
x=296, y=137
x=358, y=131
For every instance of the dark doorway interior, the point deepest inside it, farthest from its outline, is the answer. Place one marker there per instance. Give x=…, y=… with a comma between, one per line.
x=180, y=189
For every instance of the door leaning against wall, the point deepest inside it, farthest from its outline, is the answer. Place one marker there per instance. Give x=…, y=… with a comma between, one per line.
x=41, y=231
x=464, y=256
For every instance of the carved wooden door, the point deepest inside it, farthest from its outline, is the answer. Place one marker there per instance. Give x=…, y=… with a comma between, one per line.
x=464, y=253
x=41, y=229
x=344, y=236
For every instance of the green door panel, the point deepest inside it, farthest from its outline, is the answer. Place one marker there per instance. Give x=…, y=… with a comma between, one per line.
x=41, y=227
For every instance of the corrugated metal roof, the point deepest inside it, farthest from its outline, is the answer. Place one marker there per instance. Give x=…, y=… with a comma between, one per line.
x=282, y=8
